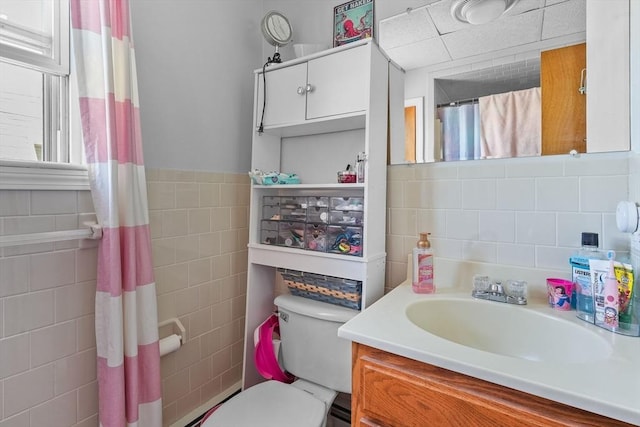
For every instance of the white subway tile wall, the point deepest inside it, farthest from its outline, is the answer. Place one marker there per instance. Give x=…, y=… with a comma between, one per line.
x=526, y=212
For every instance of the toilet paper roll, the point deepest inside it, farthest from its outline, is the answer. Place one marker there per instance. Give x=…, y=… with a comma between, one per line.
x=169, y=344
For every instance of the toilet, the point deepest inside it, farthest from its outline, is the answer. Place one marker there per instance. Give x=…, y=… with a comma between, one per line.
x=310, y=350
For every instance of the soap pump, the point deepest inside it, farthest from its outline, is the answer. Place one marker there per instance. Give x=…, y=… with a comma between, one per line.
x=423, y=266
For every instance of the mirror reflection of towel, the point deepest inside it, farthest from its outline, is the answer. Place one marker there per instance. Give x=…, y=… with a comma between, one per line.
x=511, y=124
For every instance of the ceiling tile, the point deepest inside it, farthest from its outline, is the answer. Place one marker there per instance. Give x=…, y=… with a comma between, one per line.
x=523, y=6
x=564, y=18
x=503, y=33
x=420, y=54
x=406, y=28
x=552, y=2
x=444, y=22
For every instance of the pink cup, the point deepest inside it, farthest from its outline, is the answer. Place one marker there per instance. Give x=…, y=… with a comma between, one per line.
x=559, y=292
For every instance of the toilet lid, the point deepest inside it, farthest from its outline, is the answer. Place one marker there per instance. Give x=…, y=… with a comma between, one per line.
x=269, y=404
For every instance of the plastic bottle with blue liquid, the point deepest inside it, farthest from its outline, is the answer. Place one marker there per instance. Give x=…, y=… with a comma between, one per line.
x=583, y=290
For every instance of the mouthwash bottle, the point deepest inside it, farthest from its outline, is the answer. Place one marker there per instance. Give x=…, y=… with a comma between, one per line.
x=581, y=276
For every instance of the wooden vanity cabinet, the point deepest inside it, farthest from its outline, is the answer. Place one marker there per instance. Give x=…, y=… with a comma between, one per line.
x=393, y=391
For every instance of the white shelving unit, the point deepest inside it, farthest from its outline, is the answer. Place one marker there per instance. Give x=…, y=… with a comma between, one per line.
x=321, y=110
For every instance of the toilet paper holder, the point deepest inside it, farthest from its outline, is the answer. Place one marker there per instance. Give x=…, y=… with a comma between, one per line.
x=177, y=328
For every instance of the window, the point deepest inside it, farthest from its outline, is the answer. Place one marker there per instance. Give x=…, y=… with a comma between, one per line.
x=38, y=149
x=34, y=82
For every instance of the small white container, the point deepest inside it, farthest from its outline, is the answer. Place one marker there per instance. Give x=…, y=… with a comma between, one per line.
x=304, y=49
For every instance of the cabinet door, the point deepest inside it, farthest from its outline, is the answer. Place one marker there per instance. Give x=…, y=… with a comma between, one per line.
x=339, y=83
x=284, y=104
x=564, y=108
x=393, y=391
x=608, y=75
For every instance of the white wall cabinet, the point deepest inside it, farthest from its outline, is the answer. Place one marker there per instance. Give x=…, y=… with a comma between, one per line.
x=328, y=85
x=608, y=127
x=315, y=135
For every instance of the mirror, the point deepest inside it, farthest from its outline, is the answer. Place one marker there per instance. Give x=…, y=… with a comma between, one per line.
x=451, y=62
x=276, y=30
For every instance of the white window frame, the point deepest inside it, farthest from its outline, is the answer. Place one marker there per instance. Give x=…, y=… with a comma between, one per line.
x=47, y=175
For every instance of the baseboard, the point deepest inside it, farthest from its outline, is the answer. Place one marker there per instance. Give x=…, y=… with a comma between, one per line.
x=195, y=415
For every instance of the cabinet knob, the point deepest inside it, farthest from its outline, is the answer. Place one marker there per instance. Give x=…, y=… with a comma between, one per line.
x=309, y=88
x=300, y=90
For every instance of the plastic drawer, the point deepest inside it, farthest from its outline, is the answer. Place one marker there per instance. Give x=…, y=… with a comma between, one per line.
x=293, y=214
x=345, y=217
x=318, y=201
x=269, y=232
x=271, y=212
x=293, y=202
x=318, y=214
x=315, y=237
x=344, y=240
x=347, y=204
x=291, y=234
x=271, y=200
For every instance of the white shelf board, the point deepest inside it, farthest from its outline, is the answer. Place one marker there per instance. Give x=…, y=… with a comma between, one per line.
x=346, y=266
x=356, y=120
x=308, y=186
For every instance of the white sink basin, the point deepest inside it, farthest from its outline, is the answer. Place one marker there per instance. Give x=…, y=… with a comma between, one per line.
x=508, y=330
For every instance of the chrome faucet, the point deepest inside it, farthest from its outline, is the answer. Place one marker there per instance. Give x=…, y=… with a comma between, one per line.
x=495, y=292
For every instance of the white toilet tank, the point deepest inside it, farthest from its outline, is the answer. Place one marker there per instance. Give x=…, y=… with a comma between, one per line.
x=311, y=349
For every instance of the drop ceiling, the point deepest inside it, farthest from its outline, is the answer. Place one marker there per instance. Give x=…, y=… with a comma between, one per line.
x=429, y=35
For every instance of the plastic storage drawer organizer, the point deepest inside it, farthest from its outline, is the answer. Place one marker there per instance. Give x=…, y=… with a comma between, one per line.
x=316, y=223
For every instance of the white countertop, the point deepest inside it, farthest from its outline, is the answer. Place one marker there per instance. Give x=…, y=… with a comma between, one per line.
x=609, y=387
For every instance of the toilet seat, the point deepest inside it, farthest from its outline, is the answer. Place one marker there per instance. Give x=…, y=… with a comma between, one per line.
x=269, y=404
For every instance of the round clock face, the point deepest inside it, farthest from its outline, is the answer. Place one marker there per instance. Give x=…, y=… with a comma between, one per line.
x=276, y=29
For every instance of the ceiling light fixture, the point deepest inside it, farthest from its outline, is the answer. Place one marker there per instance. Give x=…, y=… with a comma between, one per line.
x=478, y=12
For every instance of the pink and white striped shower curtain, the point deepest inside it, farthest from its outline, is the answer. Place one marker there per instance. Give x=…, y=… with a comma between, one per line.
x=126, y=310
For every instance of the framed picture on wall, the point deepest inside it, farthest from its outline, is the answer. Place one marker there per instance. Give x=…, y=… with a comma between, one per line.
x=352, y=21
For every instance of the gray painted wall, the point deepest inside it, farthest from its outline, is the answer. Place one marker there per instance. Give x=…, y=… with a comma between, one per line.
x=195, y=61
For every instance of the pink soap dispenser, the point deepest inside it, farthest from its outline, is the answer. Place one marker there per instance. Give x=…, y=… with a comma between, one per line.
x=423, y=266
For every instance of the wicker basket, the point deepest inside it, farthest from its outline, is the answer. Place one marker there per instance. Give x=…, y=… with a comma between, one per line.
x=333, y=290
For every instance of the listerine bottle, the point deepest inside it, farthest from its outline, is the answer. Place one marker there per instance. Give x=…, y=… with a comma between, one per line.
x=583, y=290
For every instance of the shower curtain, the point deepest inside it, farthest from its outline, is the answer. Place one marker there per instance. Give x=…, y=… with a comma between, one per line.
x=126, y=320
x=460, y=131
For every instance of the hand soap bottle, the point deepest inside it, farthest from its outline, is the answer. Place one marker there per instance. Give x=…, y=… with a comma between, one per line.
x=423, y=266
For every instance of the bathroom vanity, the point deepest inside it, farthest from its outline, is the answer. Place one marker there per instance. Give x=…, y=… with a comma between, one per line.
x=450, y=359
x=391, y=390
